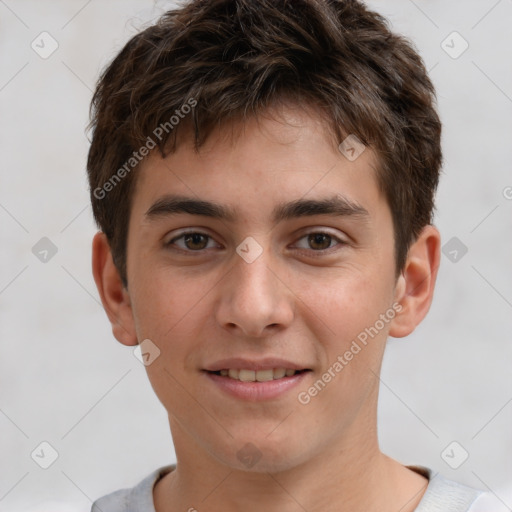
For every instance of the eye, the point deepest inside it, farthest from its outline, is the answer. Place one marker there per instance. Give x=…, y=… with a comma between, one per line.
x=320, y=241
x=192, y=241
x=195, y=241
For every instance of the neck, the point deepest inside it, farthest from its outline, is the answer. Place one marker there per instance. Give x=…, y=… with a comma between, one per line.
x=352, y=476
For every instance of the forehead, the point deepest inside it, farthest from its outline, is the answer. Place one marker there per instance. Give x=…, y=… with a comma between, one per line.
x=272, y=163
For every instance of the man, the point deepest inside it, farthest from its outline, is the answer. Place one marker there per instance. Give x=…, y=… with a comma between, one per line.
x=263, y=174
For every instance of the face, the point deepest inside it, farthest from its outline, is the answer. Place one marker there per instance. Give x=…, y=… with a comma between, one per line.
x=288, y=268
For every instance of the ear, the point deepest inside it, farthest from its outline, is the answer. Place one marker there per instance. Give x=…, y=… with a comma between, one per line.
x=415, y=287
x=114, y=296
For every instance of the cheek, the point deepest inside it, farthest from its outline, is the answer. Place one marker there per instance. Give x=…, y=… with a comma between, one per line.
x=166, y=303
x=345, y=318
x=172, y=313
x=346, y=304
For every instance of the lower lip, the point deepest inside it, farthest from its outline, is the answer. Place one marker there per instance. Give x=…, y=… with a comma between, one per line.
x=256, y=391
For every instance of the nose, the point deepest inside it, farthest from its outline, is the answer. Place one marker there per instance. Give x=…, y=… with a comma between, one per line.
x=254, y=298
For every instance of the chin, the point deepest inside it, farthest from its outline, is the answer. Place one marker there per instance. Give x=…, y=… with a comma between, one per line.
x=263, y=455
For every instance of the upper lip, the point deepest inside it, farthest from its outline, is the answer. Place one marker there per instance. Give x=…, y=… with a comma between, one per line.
x=239, y=363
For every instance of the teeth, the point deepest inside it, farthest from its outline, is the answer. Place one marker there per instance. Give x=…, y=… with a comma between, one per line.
x=257, y=376
x=247, y=375
x=279, y=373
x=264, y=375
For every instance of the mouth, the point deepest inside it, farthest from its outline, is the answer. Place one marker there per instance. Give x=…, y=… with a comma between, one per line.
x=256, y=385
x=245, y=375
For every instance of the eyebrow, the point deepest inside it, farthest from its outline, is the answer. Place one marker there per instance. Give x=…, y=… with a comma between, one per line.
x=336, y=205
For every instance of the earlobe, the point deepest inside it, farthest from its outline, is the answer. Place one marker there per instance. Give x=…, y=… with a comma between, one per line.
x=415, y=286
x=114, y=297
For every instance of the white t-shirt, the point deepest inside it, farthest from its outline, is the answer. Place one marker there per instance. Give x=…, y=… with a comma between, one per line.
x=441, y=495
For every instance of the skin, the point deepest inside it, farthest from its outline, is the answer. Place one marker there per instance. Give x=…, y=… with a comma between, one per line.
x=298, y=300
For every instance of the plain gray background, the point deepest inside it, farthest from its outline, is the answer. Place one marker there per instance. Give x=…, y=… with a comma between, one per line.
x=65, y=380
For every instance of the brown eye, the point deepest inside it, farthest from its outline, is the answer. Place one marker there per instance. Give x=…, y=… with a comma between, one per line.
x=320, y=241
x=191, y=242
x=195, y=241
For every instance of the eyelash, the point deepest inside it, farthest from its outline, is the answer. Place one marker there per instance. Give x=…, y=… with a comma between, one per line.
x=321, y=251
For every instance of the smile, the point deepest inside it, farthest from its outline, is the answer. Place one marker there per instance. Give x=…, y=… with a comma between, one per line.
x=256, y=385
x=257, y=375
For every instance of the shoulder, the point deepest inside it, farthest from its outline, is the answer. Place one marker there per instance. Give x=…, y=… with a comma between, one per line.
x=488, y=502
x=445, y=494
x=135, y=498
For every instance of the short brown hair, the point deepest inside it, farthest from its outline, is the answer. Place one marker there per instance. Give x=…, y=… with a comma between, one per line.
x=236, y=58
